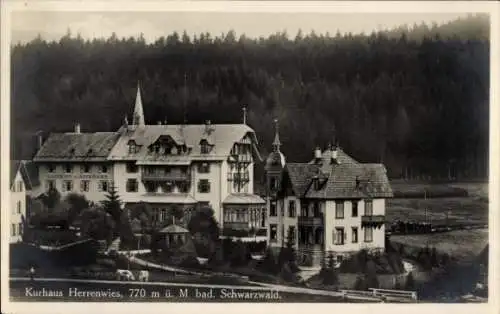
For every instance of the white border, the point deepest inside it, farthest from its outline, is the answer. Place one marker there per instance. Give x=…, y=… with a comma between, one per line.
x=492, y=8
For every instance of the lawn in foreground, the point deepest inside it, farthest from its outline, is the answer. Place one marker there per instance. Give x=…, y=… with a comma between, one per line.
x=460, y=210
x=464, y=245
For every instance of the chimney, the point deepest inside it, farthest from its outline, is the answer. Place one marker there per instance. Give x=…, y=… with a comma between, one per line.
x=317, y=153
x=40, y=140
x=77, y=128
x=334, y=152
x=208, y=129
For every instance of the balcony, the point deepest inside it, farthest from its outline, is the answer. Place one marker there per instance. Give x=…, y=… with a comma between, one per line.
x=236, y=225
x=372, y=220
x=242, y=233
x=311, y=221
x=172, y=175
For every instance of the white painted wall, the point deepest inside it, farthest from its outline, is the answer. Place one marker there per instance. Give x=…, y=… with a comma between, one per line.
x=348, y=222
x=17, y=208
x=76, y=176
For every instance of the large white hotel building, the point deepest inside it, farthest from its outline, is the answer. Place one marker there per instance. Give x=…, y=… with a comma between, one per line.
x=330, y=205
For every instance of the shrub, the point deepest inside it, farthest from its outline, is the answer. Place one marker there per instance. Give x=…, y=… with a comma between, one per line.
x=360, y=283
x=269, y=263
x=410, y=282
x=329, y=276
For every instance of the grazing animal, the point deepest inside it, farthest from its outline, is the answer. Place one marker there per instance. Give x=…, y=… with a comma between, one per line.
x=124, y=274
x=144, y=275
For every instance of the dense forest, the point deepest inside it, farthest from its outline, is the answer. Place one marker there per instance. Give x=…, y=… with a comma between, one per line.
x=415, y=98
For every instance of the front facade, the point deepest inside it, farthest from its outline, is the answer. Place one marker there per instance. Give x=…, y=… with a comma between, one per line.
x=183, y=166
x=18, y=187
x=332, y=205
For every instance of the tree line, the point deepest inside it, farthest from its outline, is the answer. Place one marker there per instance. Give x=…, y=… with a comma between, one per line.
x=415, y=98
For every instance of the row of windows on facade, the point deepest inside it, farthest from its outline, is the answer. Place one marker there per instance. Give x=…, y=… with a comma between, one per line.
x=339, y=209
x=133, y=148
x=245, y=216
x=18, y=186
x=132, y=185
x=84, y=168
x=133, y=168
x=67, y=185
x=16, y=229
x=339, y=235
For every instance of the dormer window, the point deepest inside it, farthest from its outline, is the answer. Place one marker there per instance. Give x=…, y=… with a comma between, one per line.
x=316, y=183
x=205, y=146
x=132, y=147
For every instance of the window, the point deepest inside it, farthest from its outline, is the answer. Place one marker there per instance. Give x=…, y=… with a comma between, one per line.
x=67, y=185
x=368, y=234
x=272, y=209
x=368, y=208
x=354, y=234
x=104, y=169
x=84, y=185
x=291, y=234
x=263, y=218
x=18, y=207
x=103, y=186
x=339, y=236
x=273, y=237
x=131, y=167
x=204, y=186
x=20, y=186
x=68, y=168
x=85, y=168
x=13, y=229
x=51, y=184
x=132, y=185
x=291, y=209
x=205, y=147
x=51, y=168
x=317, y=209
x=354, y=208
x=132, y=147
x=183, y=187
x=20, y=228
x=204, y=168
x=339, y=209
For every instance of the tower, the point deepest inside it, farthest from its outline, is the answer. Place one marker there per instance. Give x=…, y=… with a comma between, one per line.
x=138, y=117
x=275, y=163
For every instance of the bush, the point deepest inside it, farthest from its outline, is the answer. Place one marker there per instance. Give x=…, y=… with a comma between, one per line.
x=329, y=276
x=410, y=282
x=360, y=283
x=269, y=263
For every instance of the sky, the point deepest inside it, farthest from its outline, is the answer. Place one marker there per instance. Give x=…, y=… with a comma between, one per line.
x=52, y=25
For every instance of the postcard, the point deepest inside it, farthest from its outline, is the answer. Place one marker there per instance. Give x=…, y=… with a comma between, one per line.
x=249, y=156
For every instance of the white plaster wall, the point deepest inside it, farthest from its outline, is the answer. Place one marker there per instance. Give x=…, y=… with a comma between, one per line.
x=59, y=175
x=15, y=217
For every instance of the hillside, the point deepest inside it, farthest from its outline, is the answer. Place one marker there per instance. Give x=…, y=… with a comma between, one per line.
x=415, y=98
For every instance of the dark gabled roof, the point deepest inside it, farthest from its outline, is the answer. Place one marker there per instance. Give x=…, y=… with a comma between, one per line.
x=77, y=146
x=300, y=175
x=354, y=181
x=345, y=178
x=28, y=172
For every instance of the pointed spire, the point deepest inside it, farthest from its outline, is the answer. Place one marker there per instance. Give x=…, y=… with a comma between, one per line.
x=276, y=142
x=138, y=118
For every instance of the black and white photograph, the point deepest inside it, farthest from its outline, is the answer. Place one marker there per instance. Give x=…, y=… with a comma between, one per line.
x=248, y=153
